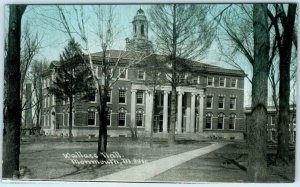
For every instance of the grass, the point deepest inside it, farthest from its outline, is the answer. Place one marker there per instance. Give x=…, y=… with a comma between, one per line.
x=214, y=167
x=42, y=158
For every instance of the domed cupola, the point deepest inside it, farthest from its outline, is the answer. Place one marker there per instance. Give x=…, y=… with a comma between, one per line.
x=140, y=41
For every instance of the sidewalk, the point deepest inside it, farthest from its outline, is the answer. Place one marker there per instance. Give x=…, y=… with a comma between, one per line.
x=145, y=171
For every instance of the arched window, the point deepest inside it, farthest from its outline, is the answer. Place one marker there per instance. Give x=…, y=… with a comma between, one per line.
x=208, y=120
x=122, y=117
x=142, y=30
x=139, y=117
x=232, y=118
x=221, y=121
x=108, y=116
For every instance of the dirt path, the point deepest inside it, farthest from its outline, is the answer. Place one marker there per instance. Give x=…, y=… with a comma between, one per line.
x=151, y=169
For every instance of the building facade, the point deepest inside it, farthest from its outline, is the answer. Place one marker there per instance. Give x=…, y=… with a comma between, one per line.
x=272, y=134
x=209, y=99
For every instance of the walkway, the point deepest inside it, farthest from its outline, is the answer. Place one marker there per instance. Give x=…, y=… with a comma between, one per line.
x=145, y=171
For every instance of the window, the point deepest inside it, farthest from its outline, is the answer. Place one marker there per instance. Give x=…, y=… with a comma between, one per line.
x=232, y=121
x=222, y=82
x=49, y=98
x=45, y=101
x=108, y=96
x=122, y=73
x=141, y=75
x=221, y=121
x=142, y=30
x=53, y=100
x=108, y=118
x=140, y=97
x=232, y=104
x=91, y=118
x=139, y=117
x=122, y=117
x=273, y=120
x=122, y=96
x=208, y=120
x=233, y=83
x=209, y=102
x=92, y=98
x=274, y=135
x=221, y=102
x=210, y=81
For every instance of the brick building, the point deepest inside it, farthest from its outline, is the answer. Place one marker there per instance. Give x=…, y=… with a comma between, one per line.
x=272, y=123
x=209, y=102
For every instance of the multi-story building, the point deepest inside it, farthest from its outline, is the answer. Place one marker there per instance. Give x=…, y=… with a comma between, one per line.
x=209, y=99
x=273, y=121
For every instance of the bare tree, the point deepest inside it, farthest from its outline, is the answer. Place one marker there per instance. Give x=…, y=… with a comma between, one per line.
x=36, y=71
x=284, y=41
x=12, y=123
x=257, y=165
x=174, y=37
x=156, y=70
x=108, y=60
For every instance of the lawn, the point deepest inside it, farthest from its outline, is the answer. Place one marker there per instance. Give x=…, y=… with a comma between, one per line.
x=217, y=167
x=43, y=157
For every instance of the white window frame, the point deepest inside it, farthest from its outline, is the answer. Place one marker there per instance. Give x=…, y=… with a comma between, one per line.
x=53, y=99
x=124, y=112
x=224, y=82
x=212, y=102
x=273, y=116
x=110, y=101
x=143, y=117
x=126, y=73
x=234, y=108
x=223, y=124
x=110, y=113
x=125, y=97
x=211, y=120
x=91, y=111
x=142, y=97
x=144, y=75
x=49, y=100
x=236, y=82
x=223, y=102
x=234, y=121
x=212, y=81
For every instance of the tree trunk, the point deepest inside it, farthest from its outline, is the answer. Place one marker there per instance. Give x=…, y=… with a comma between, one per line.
x=174, y=82
x=11, y=134
x=284, y=87
x=152, y=117
x=257, y=162
x=102, y=138
x=70, y=118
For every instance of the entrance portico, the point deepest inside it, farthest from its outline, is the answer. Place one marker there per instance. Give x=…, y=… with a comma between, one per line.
x=193, y=98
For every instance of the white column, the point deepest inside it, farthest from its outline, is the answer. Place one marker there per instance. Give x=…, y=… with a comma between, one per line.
x=165, y=112
x=188, y=114
x=149, y=108
x=201, y=105
x=179, y=112
x=192, y=112
x=133, y=109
